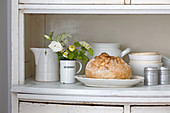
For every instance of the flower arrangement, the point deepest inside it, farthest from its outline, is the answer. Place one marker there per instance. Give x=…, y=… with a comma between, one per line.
x=66, y=51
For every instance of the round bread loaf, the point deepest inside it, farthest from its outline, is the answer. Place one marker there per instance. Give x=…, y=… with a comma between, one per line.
x=107, y=67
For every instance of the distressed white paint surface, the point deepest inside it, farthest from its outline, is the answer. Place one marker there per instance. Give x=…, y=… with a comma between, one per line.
x=34, y=87
x=150, y=109
x=21, y=48
x=96, y=9
x=94, y=99
x=14, y=42
x=26, y=107
x=150, y=2
x=73, y=1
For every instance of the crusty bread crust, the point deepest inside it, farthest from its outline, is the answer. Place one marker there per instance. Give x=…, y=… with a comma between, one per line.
x=107, y=67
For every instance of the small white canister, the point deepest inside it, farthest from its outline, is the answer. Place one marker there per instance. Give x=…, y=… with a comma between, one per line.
x=164, y=75
x=68, y=71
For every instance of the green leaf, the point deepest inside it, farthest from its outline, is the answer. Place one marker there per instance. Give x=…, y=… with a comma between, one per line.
x=70, y=56
x=59, y=54
x=75, y=53
x=79, y=57
x=47, y=37
x=45, y=52
x=82, y=52
x=60, y=58
x=85, y=59
x=83, y=48
x=90, y=51
x=51, y=34
x=77, y=44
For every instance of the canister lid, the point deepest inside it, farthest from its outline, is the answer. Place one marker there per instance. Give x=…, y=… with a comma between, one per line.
x=151, y=68
x=165, y=68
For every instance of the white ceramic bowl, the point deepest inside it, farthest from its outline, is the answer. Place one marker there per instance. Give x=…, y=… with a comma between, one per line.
x=145, y=57
x=138, y=68
x=146, y=53
x=145, y=61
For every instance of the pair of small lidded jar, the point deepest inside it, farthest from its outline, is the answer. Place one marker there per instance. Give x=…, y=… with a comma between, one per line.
x=154, y=76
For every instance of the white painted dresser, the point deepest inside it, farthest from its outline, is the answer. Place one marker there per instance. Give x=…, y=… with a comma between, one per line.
x=29, y=18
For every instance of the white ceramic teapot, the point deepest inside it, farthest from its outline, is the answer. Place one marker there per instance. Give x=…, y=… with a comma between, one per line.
x=46, y=64
x=111, y=48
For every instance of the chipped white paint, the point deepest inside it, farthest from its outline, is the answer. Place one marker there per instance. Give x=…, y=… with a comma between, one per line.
x=55, y=88
x=72, y=1
x=26, y=107
x=43, y=92
x=21, y=49
x=94, y=99
x=95, y=9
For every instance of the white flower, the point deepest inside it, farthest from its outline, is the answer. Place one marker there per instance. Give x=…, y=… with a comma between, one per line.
x=65, y=54
x=85, y=44
x=55, y=46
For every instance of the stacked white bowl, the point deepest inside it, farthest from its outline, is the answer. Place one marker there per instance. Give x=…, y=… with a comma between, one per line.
x=138, y=61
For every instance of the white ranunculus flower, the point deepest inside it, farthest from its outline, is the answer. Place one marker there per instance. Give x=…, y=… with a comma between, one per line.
x=85, y=44
x=55, y=46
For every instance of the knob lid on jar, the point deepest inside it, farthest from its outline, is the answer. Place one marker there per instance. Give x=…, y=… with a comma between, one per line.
x=165, y=68
x=151, y=68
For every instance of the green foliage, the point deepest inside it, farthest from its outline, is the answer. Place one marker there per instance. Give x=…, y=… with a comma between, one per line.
x=78, y=52
x=77, y=44
x=47, y=37
x=90, y=51
x=50, y=36
x=61, y=37
x=70, y=55
x=45, y=52
x=60, y=56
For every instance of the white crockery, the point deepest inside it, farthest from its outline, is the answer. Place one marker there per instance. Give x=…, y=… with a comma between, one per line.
x=110, y=48
x=145, y=57
x=166, y=61
x=105, y=45
x=116, y=83
x=138, y=68
x=68, y=71
x=145, y=62
x=110, y=52
x=47, y=68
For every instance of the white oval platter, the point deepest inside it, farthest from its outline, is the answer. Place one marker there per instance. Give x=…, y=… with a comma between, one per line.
x=115, y=83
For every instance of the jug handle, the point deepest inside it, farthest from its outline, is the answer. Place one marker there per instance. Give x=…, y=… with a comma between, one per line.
x=125, y=52
x=79, y=67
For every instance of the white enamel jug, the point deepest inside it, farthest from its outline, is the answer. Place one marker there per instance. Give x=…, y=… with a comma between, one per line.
x=47, y=68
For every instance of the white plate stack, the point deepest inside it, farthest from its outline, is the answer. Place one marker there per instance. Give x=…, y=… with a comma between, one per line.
x=138, y=61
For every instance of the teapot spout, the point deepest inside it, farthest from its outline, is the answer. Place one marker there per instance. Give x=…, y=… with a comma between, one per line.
x=36, y=52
